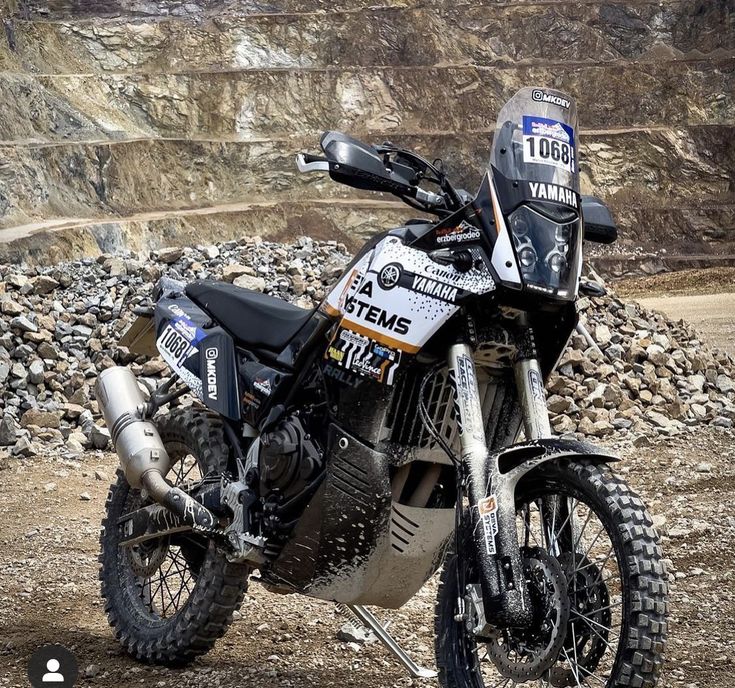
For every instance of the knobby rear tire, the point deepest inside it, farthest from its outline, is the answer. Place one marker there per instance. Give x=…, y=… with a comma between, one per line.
x=219, y=585
x=643, y=635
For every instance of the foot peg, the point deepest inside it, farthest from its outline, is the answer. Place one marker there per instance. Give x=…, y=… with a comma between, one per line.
x=365, y=617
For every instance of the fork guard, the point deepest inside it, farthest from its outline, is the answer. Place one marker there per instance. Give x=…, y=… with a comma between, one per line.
x=505, y=599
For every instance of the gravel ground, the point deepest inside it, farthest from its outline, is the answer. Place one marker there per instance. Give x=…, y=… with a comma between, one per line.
x=712, y=314
x=49, y=590
x=51, y=506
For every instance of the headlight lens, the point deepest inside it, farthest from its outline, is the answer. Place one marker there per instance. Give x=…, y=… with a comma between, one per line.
x=548, y=251
x=527, y=257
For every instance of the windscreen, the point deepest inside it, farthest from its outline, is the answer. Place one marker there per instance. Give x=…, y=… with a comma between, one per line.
x=536, y=138
x=535, y=151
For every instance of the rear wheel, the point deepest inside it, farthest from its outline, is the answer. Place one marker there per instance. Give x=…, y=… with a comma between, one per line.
x=169, y=599
x=597, y=582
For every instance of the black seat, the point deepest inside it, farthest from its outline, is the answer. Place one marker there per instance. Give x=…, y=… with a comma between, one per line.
x=255, y=319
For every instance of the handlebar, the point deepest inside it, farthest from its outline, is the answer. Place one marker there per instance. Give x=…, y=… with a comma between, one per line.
x=406, y=187
x=313, y=163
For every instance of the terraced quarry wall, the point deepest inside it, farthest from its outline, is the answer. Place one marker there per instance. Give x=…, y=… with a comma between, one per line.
x=138, y=123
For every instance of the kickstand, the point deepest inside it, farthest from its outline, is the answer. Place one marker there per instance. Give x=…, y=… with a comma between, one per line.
x=368, y=619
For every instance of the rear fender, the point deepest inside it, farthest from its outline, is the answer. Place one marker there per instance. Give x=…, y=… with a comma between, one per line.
x=140, y=337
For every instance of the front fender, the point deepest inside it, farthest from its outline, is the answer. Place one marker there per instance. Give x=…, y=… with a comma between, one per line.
x=512, y=463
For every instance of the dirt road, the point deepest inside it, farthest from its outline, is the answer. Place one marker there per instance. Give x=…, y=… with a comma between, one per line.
x=705, y=298
x=50, y=510
x=712, y=314
x=49, y=591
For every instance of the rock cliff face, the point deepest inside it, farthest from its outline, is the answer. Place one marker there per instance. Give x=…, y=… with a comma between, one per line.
x=137, y=123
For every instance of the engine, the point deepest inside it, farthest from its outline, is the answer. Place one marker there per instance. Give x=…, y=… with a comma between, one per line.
x=291, y=468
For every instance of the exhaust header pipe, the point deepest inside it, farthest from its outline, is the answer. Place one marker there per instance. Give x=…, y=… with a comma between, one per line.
x=139, y=447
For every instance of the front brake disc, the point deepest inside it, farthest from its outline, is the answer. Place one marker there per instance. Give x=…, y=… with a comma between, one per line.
x=589, y=599
x=526, y=654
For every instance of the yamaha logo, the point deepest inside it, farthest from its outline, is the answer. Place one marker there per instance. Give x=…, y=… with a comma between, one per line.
x=389, y=275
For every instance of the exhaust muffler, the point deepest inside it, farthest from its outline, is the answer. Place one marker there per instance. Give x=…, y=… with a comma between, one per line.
x=139, y=447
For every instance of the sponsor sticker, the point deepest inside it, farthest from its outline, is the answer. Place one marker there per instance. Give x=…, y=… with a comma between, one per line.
x=211, y=354
x=390, y=275
x=541, y=96
x=488, y=509
x=470, y=413
x=335, y=354
x=366, y=367
x=354, y=337
x=342, y=376
x=430, y=287
x=174, y=346
x=385, y=352
x=457, y=235
x=251, y=400
x=363, y=309
x=263, y=386
x=553, y=192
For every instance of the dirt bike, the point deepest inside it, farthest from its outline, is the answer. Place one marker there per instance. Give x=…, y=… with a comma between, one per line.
x=349, y=452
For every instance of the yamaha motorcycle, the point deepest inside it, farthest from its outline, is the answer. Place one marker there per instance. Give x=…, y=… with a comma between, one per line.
x=350, y=452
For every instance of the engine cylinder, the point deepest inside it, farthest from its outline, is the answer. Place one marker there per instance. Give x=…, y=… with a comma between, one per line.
x=137, y=442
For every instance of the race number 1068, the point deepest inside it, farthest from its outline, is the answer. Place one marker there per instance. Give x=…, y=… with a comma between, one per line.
x=547, y=151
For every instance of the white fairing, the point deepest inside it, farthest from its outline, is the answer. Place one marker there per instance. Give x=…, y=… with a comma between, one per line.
x=391, y=303
x=504, y=259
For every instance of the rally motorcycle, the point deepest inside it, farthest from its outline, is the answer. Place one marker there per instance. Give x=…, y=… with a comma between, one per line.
x=350, y=452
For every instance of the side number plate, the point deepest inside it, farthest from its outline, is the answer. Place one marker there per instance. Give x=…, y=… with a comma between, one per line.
x=174, y=347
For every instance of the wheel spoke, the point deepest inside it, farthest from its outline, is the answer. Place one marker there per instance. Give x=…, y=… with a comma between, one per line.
x=573, y=667
x=165, y=604
x=601, y=637
x=165, y=590
x=600, y=565
x=529, y=528
x=596, y=583
x=581, y=532
x=608, y=629
x=551, y=539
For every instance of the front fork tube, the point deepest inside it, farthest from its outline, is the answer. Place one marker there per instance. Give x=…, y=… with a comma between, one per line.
x=492, y=494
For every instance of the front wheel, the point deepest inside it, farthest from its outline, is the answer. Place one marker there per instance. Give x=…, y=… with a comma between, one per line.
x=597, y=581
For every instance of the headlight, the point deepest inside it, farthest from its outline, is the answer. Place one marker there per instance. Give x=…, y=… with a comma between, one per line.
x=527, y=256
x=556, y=261
x=547, y=250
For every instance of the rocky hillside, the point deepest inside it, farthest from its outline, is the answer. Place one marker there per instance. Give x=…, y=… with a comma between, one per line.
x=138, y=124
